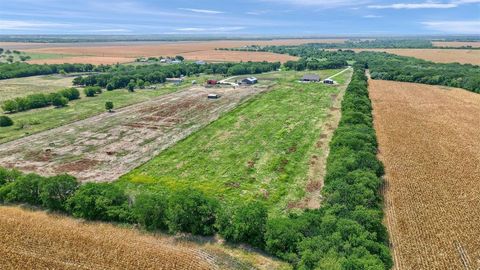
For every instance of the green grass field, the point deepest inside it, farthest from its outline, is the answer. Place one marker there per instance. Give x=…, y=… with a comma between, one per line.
x=20, y=87
x=260, y=150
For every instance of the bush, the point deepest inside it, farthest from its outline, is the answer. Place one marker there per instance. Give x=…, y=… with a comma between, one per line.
x=7, y=176
x=110, y=87
x=243, y=223
x=58, y=100
x=109, y=106
x=54, y=191
x=5, y=121
x=150, y=209
x=99, y=201
x=89, y=92
x=10, y=106
x=70, y=93
x=191, y=211
x=25, y=189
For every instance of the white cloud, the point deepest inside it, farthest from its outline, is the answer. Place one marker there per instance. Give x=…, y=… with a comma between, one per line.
x=321, y=3
x=371, y=16
x=454, y=27
x=415, y=5
x=27, y=25
x=204, y=11
x=424, y=5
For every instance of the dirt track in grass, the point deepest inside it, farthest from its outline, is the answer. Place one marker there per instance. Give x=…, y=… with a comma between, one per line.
x=106, y=146
x=429, y=143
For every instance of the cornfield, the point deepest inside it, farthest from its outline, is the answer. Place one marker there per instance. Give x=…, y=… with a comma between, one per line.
x=429, y=143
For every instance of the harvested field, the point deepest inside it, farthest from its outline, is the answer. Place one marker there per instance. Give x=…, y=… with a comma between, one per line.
x=237, y=56
x=113, y=52
x=37, y=240
x=20, y=87
x=472, y=44
x=436, y=55
x=104, y=147
x=428, y=137
x=95, y=60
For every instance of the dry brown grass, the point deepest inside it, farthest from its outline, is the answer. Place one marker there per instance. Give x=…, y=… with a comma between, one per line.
x=113, y=52
x=429, y=143
x=473, y=44
x=35, y=240
x=437, y=55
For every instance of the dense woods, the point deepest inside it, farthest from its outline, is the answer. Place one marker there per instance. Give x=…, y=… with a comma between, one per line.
x=122, y=76
x=17, y=70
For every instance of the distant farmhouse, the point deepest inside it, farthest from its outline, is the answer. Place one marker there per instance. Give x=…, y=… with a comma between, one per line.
x=310, y=78
x=249, y=81
x=200, y=62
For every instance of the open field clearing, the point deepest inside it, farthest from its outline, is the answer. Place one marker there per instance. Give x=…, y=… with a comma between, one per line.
x=436, y=55
x=34, y=121
x=30, y=240
x=472, y=44
x=237, y=56
x=104, y=147
x=428, y=137
x=263, y=149
x=122, y=52
x=21, y=87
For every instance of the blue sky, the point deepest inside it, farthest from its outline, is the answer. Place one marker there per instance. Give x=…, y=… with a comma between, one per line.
x=235, y=17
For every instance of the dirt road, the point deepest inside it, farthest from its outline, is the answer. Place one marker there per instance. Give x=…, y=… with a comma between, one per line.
x=106, y=146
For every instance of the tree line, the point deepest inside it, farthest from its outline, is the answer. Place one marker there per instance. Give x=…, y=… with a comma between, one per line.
x=122, y=76
x=34, y=101
x=18, y=69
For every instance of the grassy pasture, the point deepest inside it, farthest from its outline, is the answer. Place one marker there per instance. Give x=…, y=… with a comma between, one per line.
x=260, y=150
x=20, y=87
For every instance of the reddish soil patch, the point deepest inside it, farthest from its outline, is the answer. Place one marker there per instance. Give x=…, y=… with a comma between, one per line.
x=237, y=56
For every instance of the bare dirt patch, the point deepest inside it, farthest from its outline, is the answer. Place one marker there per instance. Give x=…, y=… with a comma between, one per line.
x=37, y=240
x=429, y=143
x=237, y=56
x=436, y=55
x=106, y=146
x=94, y=60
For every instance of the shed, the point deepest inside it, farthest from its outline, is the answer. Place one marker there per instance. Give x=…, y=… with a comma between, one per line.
x=174, y=80
x=213, y=96
x=328, y=81
x=250, y=80
x=310, y=78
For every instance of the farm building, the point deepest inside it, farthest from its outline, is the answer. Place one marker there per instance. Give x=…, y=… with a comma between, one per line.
x=213, y=96
x=310, y=78
x=251, y=80
x=200, y=62
x=328, y=81
x=174, y=80
x=212, y=82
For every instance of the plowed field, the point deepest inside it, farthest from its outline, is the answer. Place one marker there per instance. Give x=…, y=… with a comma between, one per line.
x=429, y=143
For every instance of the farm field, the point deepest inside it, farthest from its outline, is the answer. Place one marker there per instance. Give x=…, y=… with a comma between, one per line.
x=30, y=240
x=263, y=149
x=104, y=147
x=34, y=121
x=473, y=44
x=123, y=52
x=428, y=138
x=436, y=55
x=20, y=87
x=237, y=56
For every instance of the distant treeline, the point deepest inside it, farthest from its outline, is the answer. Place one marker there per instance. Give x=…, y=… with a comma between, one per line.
x=17, y=70
x=121, y=76
x=385, y=66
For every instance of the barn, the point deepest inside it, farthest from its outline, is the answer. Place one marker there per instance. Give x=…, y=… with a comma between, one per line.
x=310, y=78
x=250, y=80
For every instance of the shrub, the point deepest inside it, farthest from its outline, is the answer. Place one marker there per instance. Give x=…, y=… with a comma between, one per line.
x=110, y=87
x=99, y=201
x=243, y=223
x=70, y=93
x=109, y=106
x=150, y=209
x=7, y=176
x=5, y=121
x=89, y=92
x=25, y=189
x=58, y=100
x=54, y=191
x=191, y=211
x=10, y=106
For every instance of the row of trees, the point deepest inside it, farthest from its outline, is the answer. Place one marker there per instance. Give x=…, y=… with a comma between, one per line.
x=34, y=101
x=185, y=210
x=18, y=69
x=122, y=76
x=385, y=66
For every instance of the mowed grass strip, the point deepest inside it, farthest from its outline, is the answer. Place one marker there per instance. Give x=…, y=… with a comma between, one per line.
x=33, y=121
x=260, y=150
